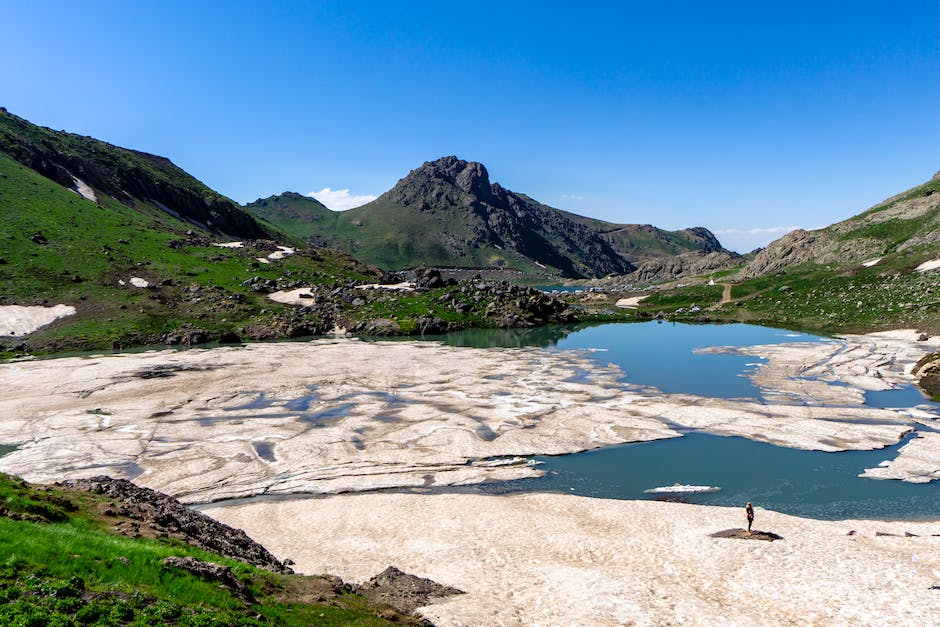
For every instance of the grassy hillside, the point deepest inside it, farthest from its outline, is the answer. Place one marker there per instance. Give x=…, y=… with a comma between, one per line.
x=829, y=299
x=391, y=236
x=128, y=176
x=302, y=216
x=396, y=237
x=907, y=222
x=58, y=247
x=856, y=275
x=63, y=562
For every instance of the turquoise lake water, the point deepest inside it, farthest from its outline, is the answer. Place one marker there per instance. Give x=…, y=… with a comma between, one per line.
x=663, y=355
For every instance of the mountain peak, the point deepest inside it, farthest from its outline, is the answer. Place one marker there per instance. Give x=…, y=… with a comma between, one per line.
x=470, y=176
x=433, y=178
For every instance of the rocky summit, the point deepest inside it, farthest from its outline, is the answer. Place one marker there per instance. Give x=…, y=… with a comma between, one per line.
x=448, y=213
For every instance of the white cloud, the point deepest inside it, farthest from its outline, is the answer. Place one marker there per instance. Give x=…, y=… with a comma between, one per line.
x=746, y=240
x=341, y=199
x=572, y=197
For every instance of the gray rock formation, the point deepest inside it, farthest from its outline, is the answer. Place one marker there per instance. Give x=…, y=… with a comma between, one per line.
x=894, y=225
x=166, y=515
x=211, y=572
x=662, y=269
x=404, y=592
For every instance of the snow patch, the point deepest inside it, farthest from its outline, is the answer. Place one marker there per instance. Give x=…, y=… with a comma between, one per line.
x=282, y=251
x=231, y=245
x=82, y=188
x=871, y=262
x=136, y=281
x=928, y=265
x=630, y=303
x=300, y=296
x=16, y=320
x=680, y=489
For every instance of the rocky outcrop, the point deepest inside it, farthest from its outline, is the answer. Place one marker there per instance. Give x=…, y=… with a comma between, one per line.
x=691, y=264
x=167, y=516
x=927, y=374
x=215, y=573
x=897, y=224
x=321, y=309
x=404, y=592
x=794, y=248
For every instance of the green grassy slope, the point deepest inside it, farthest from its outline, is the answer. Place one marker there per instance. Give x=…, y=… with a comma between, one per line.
x=61, y=563
x=389, y=235
x=129, y=176
x=57, y=247
x=300, y=215
x=856, y=275
x=394, y=236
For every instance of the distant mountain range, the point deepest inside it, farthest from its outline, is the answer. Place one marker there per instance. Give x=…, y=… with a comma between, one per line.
x=447, y=213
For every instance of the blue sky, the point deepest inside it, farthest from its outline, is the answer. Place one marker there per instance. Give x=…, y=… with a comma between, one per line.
x=737, y=116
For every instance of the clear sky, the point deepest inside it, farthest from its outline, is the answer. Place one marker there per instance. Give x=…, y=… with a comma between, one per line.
x=738, y=116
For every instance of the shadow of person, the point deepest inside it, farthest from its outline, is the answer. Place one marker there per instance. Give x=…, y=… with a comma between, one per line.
x=744, y=534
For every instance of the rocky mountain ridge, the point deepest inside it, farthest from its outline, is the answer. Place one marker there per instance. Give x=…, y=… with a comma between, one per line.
x=900, y=223
x=447, y=212
x=691, y=264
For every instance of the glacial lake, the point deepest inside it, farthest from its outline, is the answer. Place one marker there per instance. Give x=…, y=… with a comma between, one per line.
x=664, y=355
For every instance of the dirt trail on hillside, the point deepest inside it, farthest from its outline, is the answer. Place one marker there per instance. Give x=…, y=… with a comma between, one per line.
x=725, y=295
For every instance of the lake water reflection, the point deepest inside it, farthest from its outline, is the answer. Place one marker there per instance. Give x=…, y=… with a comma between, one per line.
x=663, y=355
x=658, y=354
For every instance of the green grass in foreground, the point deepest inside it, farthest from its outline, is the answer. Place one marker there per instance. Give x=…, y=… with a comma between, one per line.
x=62, y=567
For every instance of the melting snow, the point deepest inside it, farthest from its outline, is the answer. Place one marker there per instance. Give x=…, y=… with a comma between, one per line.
x=83, y=189
x=20, y=320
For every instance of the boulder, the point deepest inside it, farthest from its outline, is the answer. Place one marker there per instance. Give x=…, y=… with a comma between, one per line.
x=927, y=373
x=217, y=573
x=404, y=592
x=431, y=325
x=186, y=336
x=380, y=326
